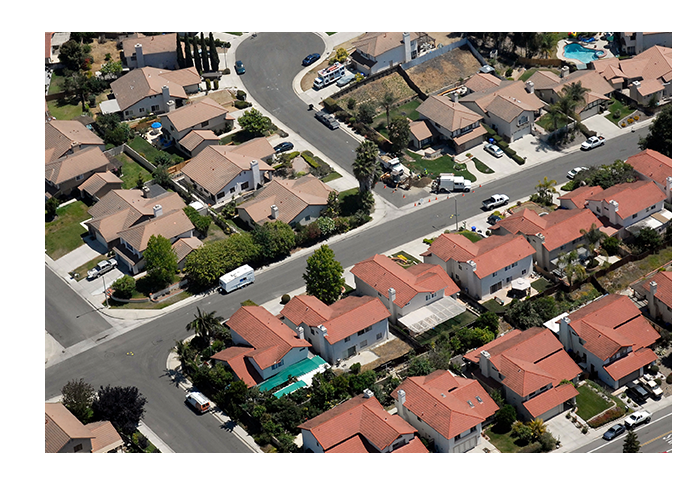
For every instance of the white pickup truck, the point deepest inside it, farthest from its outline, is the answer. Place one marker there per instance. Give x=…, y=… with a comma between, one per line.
x=495, y=201
x=593, y=142
x=101, y=268
x=637, y=418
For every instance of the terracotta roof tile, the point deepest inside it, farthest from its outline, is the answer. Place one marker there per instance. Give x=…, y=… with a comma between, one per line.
x=79, y=163
x=630, y=363
x=654, y=165
x=168, y=225
x=192, y=115
x=59, y=135
x=270, y=338
x=580, y=196
x=450, y=115
x=632, y=197
x=664, y=287
x=550, y=399
x=236, y=358
x=106, y=437
x=151, y=44
x=144, y=82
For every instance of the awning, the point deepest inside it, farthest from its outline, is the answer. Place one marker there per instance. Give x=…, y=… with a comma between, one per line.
x=430, y=316
x=521, y=284
x=109, y=107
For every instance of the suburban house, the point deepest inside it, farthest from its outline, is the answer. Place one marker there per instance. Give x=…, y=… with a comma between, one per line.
x=405, y=291
x=183, y=247
x=150, y=90
x=70, y=171
x=99, y=184
x=221, y=173
x=206, y=114
x=452, y=122
x=651, y=165
x=550, y=88
x=658, y=291
x=510, y=109
x=552, y=234
x=375, y=52
x=636, y=42
x=481, y=269
x=65, y=137
x=609, y=338
x=624, y=206
x=298, y=201
x=578, y=198
x=263, y=345
x=360, y=425
x=340, y=330
x=64, y=433
x=445, y=409
x=52, y=45
x=530, y=365
x=124, y=220
x=194, y=142
x=644, y=78
x=159, y=51
x=481, y=81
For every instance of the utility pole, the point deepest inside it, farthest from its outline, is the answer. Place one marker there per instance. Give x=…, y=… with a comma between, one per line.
x=105, y=289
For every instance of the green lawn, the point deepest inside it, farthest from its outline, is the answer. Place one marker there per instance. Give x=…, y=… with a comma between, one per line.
x=504, y=442
x=449, y=326
x=63, y=234
x=618, y=106
x=409, y=109
x=443, y=164
x=141, y=146
x=331, y=177
x=131, y=171
x=471, y=235
x=349, y=201
x=481, y=166
x=589, y=403
x=68, y=111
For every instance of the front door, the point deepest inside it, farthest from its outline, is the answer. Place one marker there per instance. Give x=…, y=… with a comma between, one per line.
x=496, y=287
x=352, y=351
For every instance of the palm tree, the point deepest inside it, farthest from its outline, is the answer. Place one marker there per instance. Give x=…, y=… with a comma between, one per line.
x=387, y=102
x=538, y=428
x=365, y=166
x=205, y=324
x=546, y=190
x=593, y=235
x=571, y=266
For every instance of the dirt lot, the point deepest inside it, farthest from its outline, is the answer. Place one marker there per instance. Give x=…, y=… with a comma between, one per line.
x=388, y=351
x=100, y=50
x=376, y=89
x=444, y=70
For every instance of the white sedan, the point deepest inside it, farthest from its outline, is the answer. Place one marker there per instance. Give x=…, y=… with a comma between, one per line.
x=494, y=150
x=572, y=173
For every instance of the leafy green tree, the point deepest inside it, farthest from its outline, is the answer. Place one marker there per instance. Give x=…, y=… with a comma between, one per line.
x=124, y=287
x=51, y=206
x=538, y=428
x=161, y=260
x=254, y=122
x=399, y=133
x=77, y=396
x=161, y=176
x=419, y=366
x=332, y=205
x=275, y=239
x=75, y=56
x=365, y=113
x=488, y=320
x=660, y=133
x=647, y=239
x=112, y=69
x=504, y=418
x=365, y=168
x=522, y=432
x=631, y=443
x=123, y=406
x=324, y=275
x=206, y=324
x=113, y=131
x=607, y=176
x=76, y=84
x=212, y=260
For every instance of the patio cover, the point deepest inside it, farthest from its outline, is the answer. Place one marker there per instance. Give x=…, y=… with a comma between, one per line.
x=297, y=370
x=109, y=107
x=433, y=314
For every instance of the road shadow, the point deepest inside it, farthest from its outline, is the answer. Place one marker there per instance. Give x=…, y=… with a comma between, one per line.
x=177, y=378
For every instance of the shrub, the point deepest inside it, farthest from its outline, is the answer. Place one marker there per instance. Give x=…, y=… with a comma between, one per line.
x=242, y=104
x=124, y=287
x=241, y=95
x=200, y=222
x=285, y=298
x=608, y=416
x=330, y=104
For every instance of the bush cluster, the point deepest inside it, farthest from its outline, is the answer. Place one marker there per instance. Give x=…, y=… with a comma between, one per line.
x=611, y=414
x=201, y=223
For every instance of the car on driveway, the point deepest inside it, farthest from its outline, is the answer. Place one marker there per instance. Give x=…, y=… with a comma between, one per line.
x=102, y=267
x=310, y=59
x=240, y=69
x=494, y=150
x=493, y=219
x=638, y=393
x=637, y=418
x=613, y=432
x=572, y=173
x=284, y=146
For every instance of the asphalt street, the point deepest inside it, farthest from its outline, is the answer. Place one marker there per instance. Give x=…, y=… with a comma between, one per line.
x=138, y=357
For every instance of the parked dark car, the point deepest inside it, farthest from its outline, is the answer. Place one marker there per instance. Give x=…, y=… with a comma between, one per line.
x=613, y=432
x=240, y=69
x=284, y=146
x=327, y=119
x=493, y=219
x=638, y=393
x=310, y=59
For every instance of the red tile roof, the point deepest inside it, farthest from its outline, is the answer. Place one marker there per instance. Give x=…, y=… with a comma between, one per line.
x=632, y=197
x=652, y=164
x=610, y=323
x=236, y=358
x=664, y=287
x=442, y=400
x=630, y=363
x=341, y=319
x=550, y=399
x=359, y=417
x=490, y=254
x=381, y=273
x=580, y=196
x=270, y=338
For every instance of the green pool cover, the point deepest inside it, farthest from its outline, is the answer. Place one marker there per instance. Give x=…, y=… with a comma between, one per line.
x=296, y=370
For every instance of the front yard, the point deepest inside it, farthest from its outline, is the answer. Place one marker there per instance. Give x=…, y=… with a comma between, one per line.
x=443, y=164
x=64, y=233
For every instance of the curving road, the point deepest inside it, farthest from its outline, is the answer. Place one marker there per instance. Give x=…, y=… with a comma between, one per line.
x=268, y=78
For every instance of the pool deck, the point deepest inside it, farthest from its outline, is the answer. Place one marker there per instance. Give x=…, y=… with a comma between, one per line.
x=600, y=44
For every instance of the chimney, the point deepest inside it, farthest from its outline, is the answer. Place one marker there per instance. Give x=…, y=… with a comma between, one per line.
x=540, y=236
x=74, y=147
x=564, y=72
x=652, y=288
x=484, y=363
x=323, y=330
x=564, y=333
x=157, y=210
x=472, y=264
x=146, y=192
x=615, y=205
x=651, y=303
x=455, y=96
x=669, y=185
x=530, y=87
x=255, y=169
x=407, y=46
x=367, y=393
x=300, y=331
x=400, y=401
x=274, y=212
x=166, y=93
x=138, y=48
x=170, y=105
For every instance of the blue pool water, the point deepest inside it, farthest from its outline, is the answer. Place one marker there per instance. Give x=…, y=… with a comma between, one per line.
x=576, y=51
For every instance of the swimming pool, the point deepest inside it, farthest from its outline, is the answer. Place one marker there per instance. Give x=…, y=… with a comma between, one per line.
x=578, y=52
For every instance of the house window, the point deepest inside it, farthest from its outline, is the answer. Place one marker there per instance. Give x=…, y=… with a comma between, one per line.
x=205, y=123
x=494, y=274
x=141, y=110
x=155, y=108
x=245, y=185
x=524, y=271
x=277, y=365
x=347, y=339
x=380, y=335
x=363, y=344
x=634, y=216
x=220, y=195
x=523, y=120
x=79, y=177
x=77, y=448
